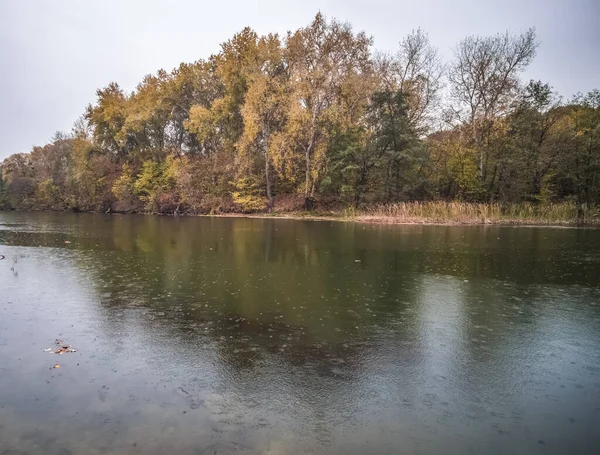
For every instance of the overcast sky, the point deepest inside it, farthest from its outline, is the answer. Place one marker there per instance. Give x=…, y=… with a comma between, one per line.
x=54, y=54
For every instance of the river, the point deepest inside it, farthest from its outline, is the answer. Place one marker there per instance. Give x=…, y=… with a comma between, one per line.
x=267, y=336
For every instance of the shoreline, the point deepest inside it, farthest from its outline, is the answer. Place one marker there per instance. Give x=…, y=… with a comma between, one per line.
x=369, y=219
x=359, y=219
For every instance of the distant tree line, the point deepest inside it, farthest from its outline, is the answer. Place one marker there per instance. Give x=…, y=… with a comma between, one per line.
x=318, y=118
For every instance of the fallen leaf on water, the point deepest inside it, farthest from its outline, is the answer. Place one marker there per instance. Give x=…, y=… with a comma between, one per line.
x=62, y=347
x=57, y=365
x=66, y=241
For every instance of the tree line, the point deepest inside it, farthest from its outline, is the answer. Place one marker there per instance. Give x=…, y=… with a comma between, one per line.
x=318, y=118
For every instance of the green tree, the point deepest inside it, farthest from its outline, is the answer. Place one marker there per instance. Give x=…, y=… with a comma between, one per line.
x=484, y=83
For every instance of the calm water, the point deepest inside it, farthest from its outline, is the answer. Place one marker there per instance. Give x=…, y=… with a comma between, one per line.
x=220, y=336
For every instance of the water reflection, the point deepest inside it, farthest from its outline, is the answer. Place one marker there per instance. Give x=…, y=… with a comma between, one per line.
x=275, y=336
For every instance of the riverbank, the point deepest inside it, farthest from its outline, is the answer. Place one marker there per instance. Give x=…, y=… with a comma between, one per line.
x=447, y=213
x=436, y=213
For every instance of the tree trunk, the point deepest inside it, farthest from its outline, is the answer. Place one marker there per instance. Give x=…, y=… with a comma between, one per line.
x=268, y=181
x=388, y=183
x=309, y=203
x=477, y=147
x=308, y=187
x=360, y=185
x=214, y=169
x=308, y=200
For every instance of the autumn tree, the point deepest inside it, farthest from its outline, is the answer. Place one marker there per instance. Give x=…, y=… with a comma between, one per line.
x=190, y=85
x=148, y=116
x=322, y=58
x=18, y=174
x=107, y=119
x=219, y=126
x=316, y=114
x=266, y=106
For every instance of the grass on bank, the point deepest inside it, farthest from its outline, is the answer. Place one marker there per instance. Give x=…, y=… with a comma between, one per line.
x=433, y=212
x=565, y=213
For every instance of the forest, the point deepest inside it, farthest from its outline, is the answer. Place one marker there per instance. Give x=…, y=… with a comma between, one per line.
x=318, y=119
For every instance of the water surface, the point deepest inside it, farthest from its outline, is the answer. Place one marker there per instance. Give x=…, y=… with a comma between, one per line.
x=220, y=336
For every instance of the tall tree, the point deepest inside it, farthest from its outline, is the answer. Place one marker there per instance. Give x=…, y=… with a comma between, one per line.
x=379, y=155
x=417, y=71
x=108, y=117
x=322, y=58
x=266, y=105
x=191, y=85
x=149, y=112
x=585, y=158
x=536, y=136
x=484, y=82
x=219, y=126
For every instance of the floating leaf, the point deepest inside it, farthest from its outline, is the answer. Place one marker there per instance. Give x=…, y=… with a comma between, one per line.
x=62, y=347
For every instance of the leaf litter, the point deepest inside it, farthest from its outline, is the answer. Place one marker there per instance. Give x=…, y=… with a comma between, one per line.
x=60, y=347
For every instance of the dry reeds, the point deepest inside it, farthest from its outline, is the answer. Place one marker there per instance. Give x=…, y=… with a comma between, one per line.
x=564, y=213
